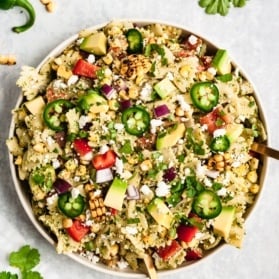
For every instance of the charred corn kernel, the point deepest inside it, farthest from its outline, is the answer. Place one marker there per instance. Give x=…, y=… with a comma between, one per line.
x=218, y=158
x=18, y=160
x=254, y=189
x=139, y=79
x=7, y=60
x=132, y=160
x=227, y=157
x=81, y=171
x=50, y=7
x=39, y=147
x=252, y=176
x=133, y=93
x=71, y=165
x=123, y=95
x=114, y=249
x=95, y=228
x=88, y=188
x=242, y=170
x=111, y=114
x=220, y=165
x=254, y=163
x=63, y=72
x=67, y=223
x=81, y=217
x=146, y=165
x=113, y=105
x=179, y=111
x=108, y=59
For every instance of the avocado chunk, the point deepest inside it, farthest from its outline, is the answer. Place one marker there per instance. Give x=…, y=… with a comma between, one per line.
x=160, y=212
x=94, y=102
x=221, y=62
x=233, y=131
x=223, y=222
x=95, y=43
x=165, y=88
x=116, y=193
x=171, y=137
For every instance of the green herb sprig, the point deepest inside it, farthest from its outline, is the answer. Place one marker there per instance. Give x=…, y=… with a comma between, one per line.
x=220, y=6
x=25, y=259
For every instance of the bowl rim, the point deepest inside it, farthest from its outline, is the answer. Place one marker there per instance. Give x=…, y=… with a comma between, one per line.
x=26, y=203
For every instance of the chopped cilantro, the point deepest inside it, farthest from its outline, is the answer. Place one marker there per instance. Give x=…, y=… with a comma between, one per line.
x=7, y=275
x=192, y=143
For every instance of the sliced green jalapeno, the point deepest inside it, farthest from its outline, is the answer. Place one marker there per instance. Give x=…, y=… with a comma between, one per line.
x=54, y=114
x=135, y=41
x=220, y=144
x=71, y=207
x=136, y=120
x=207, y=204
x=204, y=95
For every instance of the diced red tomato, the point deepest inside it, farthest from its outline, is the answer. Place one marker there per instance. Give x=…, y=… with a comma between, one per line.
x=86, y=69
x=113, y=211
x=83, y=149
x=103, y=161
x=77, y=231
x=186, y=233
x=193, y=254
x=167, y=252
x=215, y=119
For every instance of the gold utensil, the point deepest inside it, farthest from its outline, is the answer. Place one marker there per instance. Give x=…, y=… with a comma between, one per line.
x=265, y=150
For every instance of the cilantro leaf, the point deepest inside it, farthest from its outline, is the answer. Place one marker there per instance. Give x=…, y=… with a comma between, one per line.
x=31, y=275
x=220, y=6
x=25, y=258
x=8, y=275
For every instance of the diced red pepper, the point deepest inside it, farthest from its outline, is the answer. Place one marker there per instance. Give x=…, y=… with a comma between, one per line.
x=86, y=69
x=113, y=211
x=169, y=251
x=77, y=231
x=193, y=254
x=103, y=161
x=215, y=119
x=83, y=149
x=186, y=233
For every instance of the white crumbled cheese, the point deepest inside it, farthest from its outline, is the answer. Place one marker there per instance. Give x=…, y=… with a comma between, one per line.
x=212, y=71
x=182, y=103
x=103, y=149
x=219, y=133
x=180, y=141
x=204, y=127
x=91, y=58
x=72, y=80
x=107, y=72
x=55, y=163
x=97, y=193
x=122, y=264
x=91, y=257
x=200, y=170
x=199, y=235
x=146, y=91
x=187, y=171
x=118, y=126
x=222, y=192
x=76, y=178
x=192, y=40
x=163, y=189
x=131, y=230
x=75, y=192
x=119, y=166
x=104, y=175
x=170, y=76
x=154, y=123
x=50, y=140
x=241, y=118
x=52, y=202
x=59, y=84
x=83, y=120
x=145, y=190
x=212, y=173
x=207, y=182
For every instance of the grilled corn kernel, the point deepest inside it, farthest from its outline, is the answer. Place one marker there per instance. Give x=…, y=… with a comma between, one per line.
x=254, y=189
x=67, y=223
x=123, y=95
x=184, y=70
x=254, y=163
x=133, y=93
x=252, y=176
x=218, y=158
x=88, y=188
x=108, y=59
x=179, y=111
x=50, y=7
x=113, y=105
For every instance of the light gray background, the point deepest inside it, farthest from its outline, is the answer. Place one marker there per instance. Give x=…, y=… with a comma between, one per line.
x=251, y=36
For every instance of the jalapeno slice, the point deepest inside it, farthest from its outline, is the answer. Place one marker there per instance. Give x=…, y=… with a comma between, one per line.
x=136, y=120
x=135, y=41
x=220, y=144
x=71, y=207
x=54, y=114
x=204, y=95
x=207, y=204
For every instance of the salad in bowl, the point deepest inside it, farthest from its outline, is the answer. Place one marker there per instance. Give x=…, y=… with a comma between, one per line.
x=130, y=147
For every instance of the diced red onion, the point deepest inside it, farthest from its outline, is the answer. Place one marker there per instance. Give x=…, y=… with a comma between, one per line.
x=61, y=186
x=132, y=193
x=161, y=110
x=169, y=174
x=104, y=175
x=107, y=91
x=125, y=104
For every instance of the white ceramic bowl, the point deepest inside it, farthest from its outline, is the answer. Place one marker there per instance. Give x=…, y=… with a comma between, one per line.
x=25, y=199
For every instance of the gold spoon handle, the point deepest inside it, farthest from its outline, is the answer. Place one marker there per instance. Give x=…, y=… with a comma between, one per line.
x=265, y=150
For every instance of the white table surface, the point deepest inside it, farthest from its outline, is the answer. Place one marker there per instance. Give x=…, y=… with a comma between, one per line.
x=251, y=36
